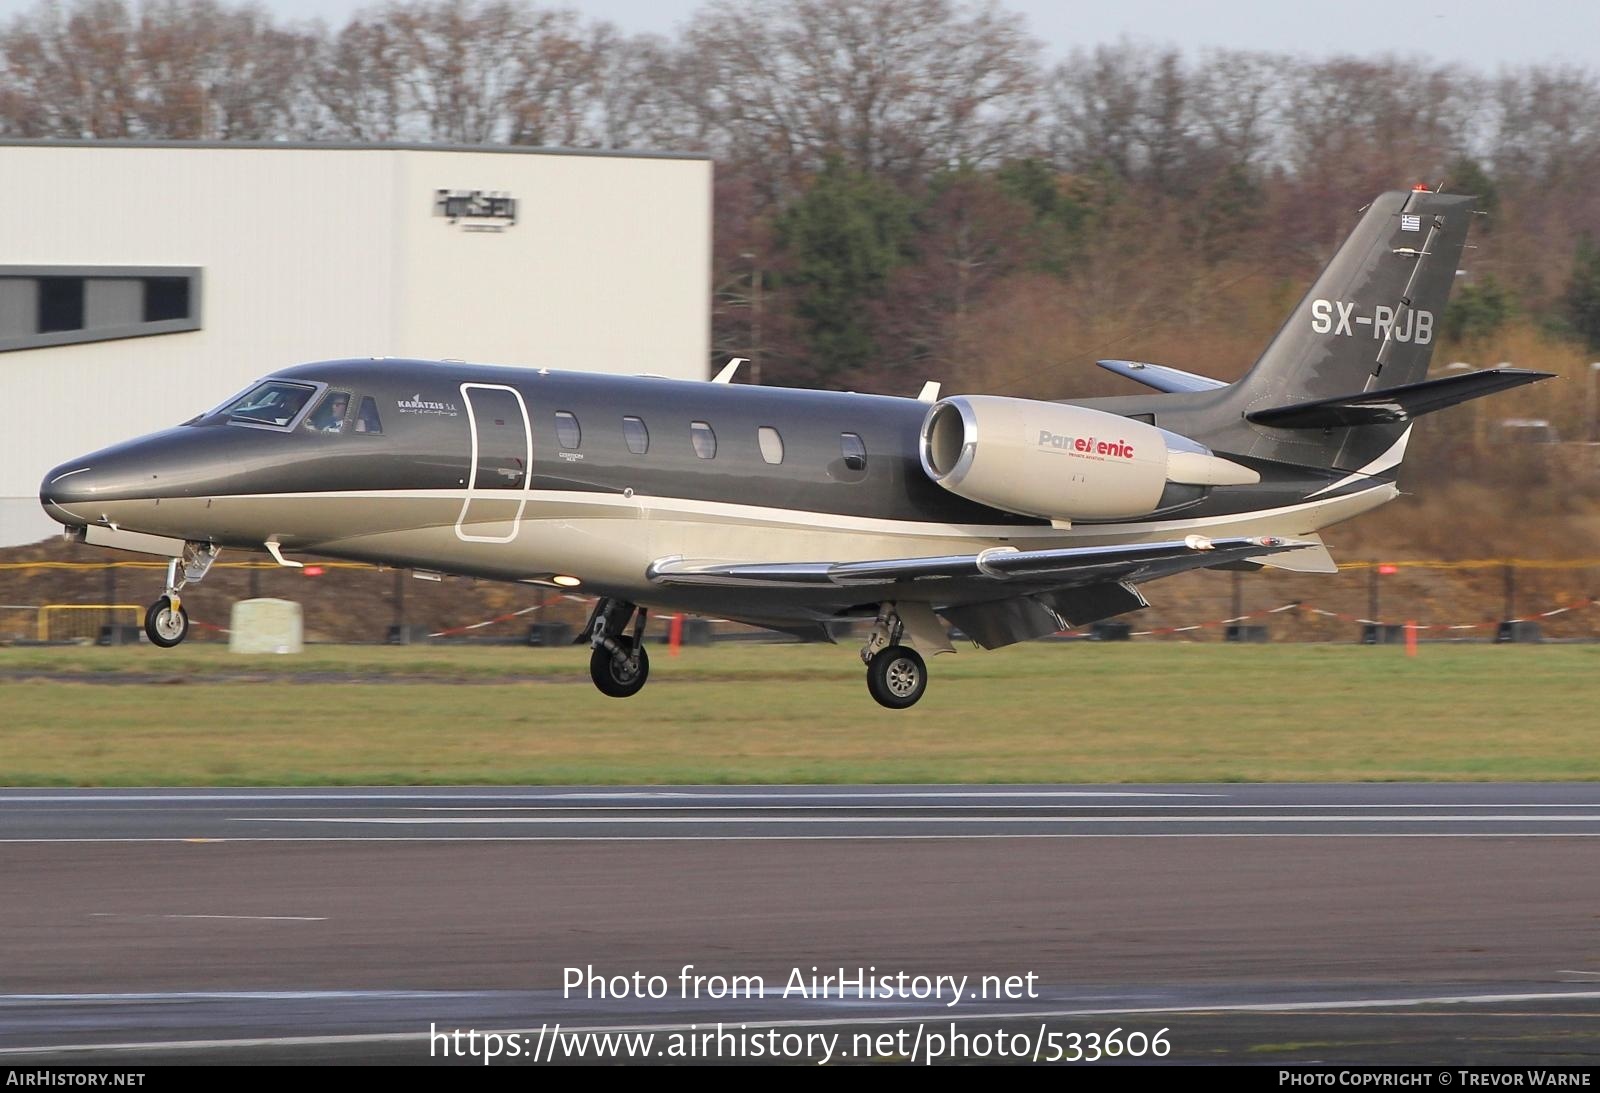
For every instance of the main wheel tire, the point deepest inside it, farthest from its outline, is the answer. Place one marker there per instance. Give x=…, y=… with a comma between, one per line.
x=164, y=626
x=613, y=675
x=897, y=677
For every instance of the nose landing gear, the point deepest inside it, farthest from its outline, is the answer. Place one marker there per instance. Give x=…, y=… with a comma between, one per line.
x=618, y=661
x=166, y=622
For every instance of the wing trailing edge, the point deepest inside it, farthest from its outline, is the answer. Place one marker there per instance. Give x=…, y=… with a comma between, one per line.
x=993, y=567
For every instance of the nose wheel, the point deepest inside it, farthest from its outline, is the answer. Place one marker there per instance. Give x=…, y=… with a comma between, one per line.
x=166, y=623
x=897, y=676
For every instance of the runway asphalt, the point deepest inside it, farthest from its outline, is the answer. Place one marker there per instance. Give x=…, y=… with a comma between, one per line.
x=1273, y=924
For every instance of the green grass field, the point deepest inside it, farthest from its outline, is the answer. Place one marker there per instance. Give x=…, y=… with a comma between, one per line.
x=1061, y=712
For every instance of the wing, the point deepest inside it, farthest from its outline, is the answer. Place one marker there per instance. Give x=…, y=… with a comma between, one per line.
x=997, y=596
x=993, y=572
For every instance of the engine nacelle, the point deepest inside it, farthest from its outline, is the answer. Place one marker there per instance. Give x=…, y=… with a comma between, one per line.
x=1064, y=462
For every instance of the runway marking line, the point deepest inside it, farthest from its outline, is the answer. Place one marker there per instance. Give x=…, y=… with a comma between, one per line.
x=968, y=808
x=824, y=838
x=235, y=918
x=1368, y=819
x=899, y=1019
x=89, y=796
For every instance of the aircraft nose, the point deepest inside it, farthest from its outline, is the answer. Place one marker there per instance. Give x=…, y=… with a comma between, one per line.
x=72, y=485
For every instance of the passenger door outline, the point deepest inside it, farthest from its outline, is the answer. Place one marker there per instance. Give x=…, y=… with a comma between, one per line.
x=472, y=478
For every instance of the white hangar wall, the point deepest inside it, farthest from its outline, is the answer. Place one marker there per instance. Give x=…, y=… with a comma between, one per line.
x=294, y=253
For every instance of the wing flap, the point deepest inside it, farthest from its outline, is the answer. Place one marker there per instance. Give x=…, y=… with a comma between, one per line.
x=999, y=564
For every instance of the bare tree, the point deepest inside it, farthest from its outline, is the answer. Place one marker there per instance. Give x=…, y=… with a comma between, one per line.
x=893, y=86
x=1112, y=106
x=1236, y=100
x=359, y=81
x=69, y=71
x=210, y=72
x=1547, y=123
x=641, y=93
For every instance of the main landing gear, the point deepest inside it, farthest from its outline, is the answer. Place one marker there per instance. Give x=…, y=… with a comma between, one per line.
x=618, y=661
x=897, y=675
x=166, y=622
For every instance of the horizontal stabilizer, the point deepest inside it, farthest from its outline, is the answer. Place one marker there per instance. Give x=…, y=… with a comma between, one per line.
x=1394, y=404
x=1162, y=378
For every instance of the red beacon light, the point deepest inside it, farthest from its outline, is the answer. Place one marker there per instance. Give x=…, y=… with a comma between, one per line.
x=312, y=571
x=1421, y=188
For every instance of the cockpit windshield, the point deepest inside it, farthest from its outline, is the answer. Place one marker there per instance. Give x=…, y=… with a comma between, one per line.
x=274, y=402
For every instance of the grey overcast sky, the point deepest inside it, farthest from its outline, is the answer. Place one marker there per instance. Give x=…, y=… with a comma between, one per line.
x=1482, y=34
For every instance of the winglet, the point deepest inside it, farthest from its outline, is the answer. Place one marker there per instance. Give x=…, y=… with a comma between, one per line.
x=726, y=375
x=930, y=392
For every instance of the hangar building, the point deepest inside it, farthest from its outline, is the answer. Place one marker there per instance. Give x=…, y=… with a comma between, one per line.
x=143, y=283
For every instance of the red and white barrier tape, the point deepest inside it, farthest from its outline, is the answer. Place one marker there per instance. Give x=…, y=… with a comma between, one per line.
x=1164, y=630
x=486, y=622
x=436, y=634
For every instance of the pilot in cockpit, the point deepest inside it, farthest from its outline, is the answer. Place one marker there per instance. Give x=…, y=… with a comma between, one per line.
x=329, y=417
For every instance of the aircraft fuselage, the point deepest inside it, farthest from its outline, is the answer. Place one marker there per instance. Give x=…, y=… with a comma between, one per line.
x=524, y=474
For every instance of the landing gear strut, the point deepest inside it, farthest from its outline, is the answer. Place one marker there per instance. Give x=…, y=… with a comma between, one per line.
x=166, y=622
x=897, y=675
x=618, y=661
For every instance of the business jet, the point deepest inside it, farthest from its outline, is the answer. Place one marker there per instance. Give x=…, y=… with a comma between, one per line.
x=1008, y=518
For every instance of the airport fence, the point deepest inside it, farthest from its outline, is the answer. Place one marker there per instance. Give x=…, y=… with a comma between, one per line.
x=1502, y=599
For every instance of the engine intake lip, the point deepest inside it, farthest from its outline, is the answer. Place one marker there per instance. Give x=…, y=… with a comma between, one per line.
x=949, y=441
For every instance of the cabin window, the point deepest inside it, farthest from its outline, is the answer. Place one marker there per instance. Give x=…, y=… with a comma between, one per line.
x=568, y=430
x=271, y=403
x=330, y=413
x=705, y=441
x=637, y=436
x=854, y=451
x=771, y=444
x=367, y=420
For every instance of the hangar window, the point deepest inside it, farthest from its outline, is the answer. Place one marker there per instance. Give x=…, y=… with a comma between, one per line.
x=165, y=299
x=60, y=304
x=705, y=441
x=854, y=451
x=44, y=306
x=568, y=431
x=771, y=444
x=637, y=436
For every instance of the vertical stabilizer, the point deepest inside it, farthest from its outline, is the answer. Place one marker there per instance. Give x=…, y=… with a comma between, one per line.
x=1370, y=321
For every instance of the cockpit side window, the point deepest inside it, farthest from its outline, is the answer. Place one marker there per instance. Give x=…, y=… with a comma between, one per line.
x=330, y=413
x=271, y=403
x=367, y=420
